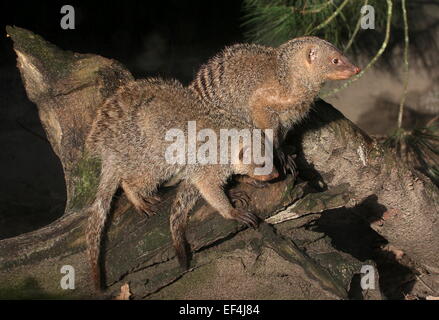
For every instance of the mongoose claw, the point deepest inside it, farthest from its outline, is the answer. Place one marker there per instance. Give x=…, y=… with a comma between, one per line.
x=281, y=157
x=287, y=162
x=239, y=198
x=291, y=164
x=149, y=206
x=248, y=218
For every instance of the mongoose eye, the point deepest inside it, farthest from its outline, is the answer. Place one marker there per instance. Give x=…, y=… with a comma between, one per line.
x=335, y=61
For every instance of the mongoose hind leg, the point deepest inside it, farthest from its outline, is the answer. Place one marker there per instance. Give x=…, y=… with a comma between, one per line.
x=187, y=196
x=238, y=198
x=140, y=194
x=212, y=191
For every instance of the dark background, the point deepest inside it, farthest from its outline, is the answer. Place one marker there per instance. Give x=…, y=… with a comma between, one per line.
x=165, y=38
x=169, y=38
x=173, y=30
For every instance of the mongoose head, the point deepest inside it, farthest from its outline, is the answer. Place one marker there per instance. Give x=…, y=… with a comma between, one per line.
x=316, y=60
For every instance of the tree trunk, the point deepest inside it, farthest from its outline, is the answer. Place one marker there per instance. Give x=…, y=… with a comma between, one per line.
x=403, y=204
x=340, y=161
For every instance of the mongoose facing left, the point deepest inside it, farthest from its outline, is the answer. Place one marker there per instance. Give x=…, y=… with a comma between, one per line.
x=129, y=137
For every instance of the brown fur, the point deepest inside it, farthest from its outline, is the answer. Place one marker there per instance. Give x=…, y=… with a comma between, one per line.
x=129, y=136
x=270, y=87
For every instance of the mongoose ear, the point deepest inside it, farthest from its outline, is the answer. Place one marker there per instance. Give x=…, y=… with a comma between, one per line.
x=312, y=54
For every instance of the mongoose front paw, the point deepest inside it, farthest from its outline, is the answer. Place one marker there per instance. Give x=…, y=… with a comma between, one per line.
x=248, y=218
x=239, y=198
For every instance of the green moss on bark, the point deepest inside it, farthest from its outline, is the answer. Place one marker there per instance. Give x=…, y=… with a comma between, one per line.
x=57, y=62
x=86, y=179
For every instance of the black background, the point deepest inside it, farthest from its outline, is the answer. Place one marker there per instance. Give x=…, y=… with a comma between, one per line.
x=117, y=29
x=152, y=38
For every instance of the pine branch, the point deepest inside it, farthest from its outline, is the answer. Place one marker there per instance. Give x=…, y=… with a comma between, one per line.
x=374, y=59
x=357, y=28
x=406, y=63
x=274, y=22
x=332, y=17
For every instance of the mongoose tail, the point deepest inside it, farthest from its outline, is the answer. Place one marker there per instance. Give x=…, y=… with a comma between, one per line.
x=185, y=200
x=208, y=186
x=108, y=185
x=188, y=194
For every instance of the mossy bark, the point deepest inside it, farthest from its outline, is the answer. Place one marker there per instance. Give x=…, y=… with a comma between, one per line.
x=68, y=88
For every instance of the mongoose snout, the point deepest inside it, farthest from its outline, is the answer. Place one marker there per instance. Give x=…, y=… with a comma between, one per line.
x=343, y=69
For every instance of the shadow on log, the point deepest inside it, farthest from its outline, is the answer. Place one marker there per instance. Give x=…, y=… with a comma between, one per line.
x=343, y=167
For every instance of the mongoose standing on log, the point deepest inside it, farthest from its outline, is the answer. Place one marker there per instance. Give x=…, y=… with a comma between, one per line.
x=271, y=87
x=131, y=137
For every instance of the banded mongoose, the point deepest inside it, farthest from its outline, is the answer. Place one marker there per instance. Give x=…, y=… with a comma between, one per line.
x=271, y=87
x=129, y=137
